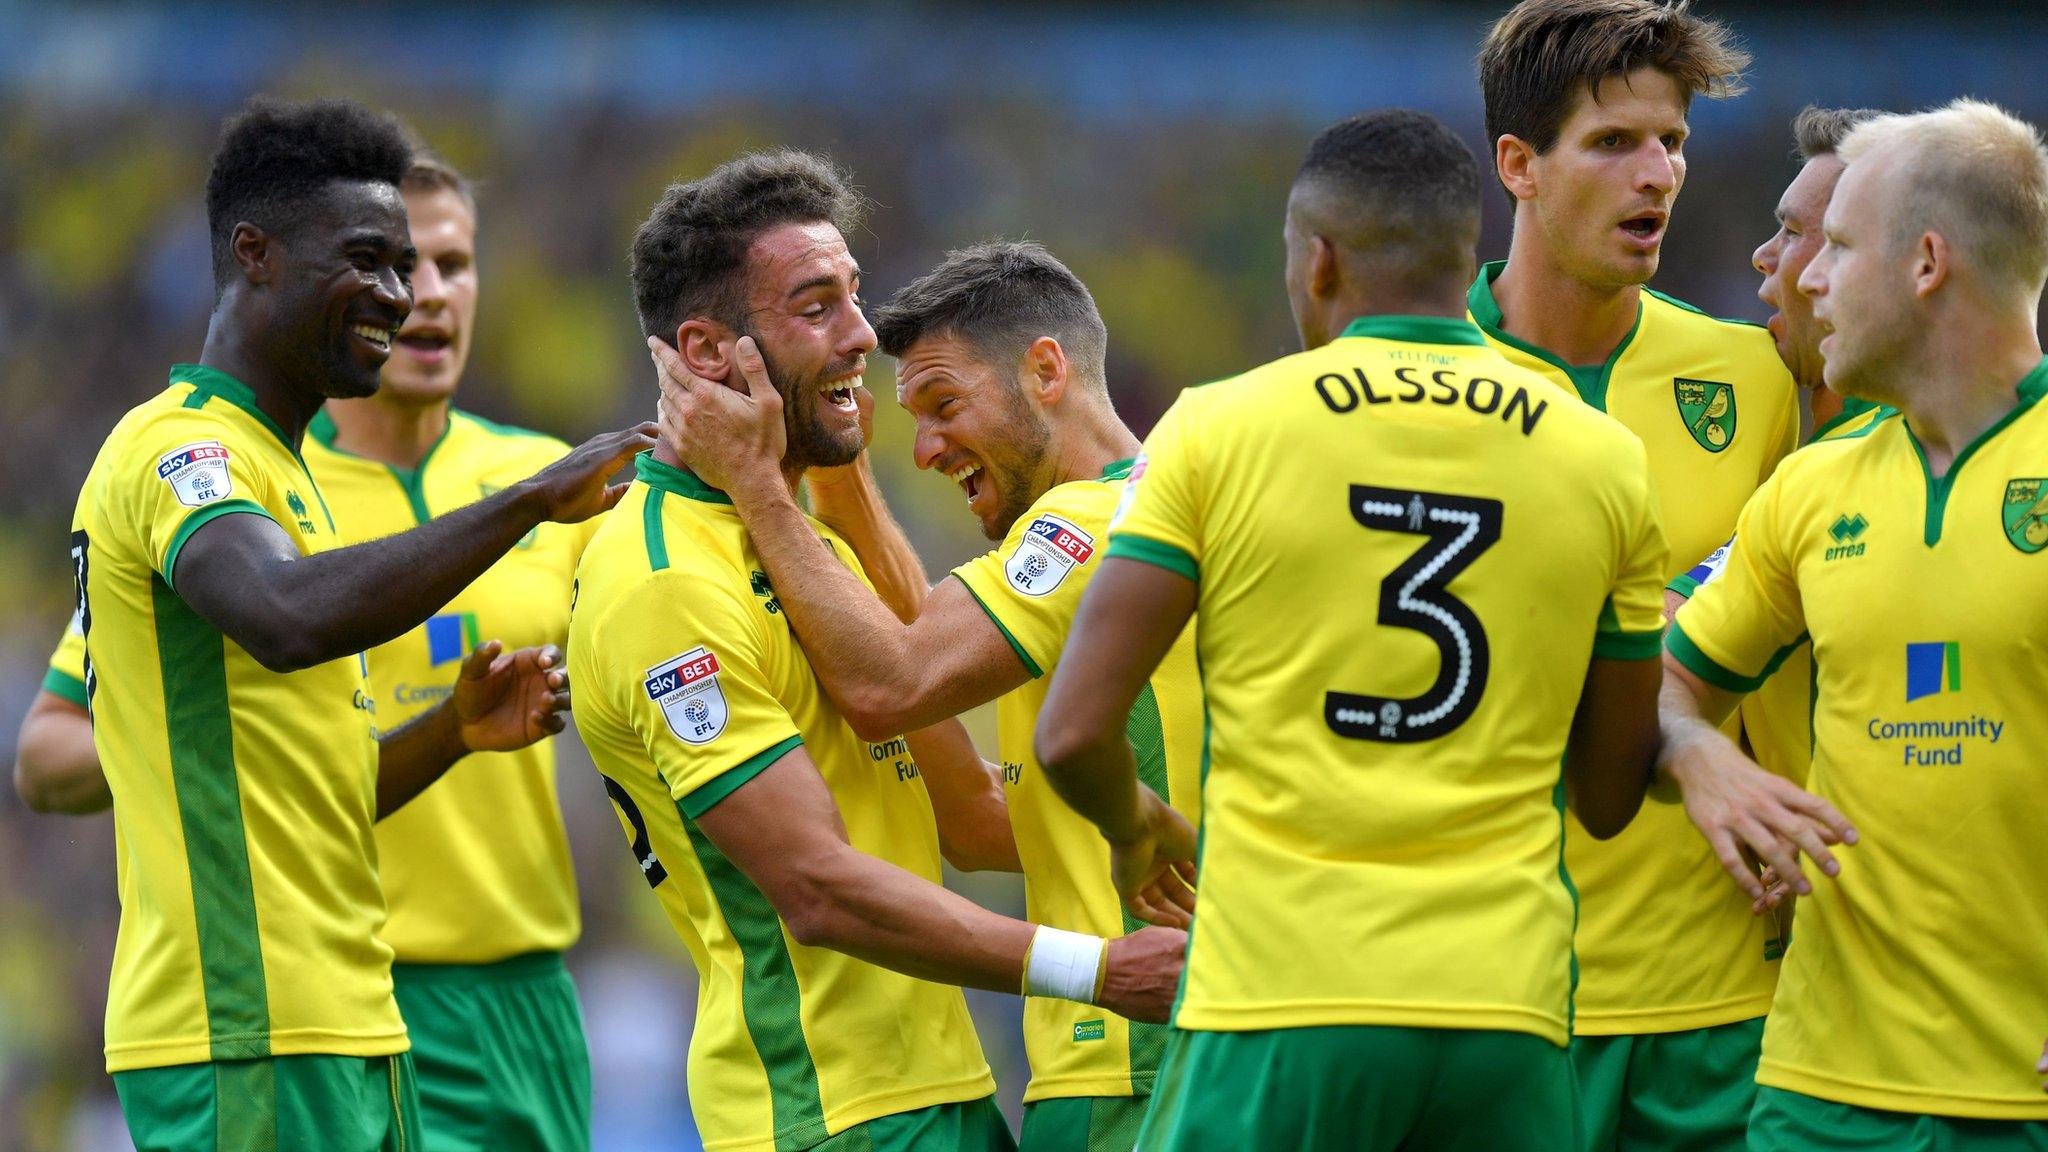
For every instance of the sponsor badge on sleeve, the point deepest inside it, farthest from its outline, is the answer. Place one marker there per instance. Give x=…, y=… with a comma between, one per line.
x=197, y=473
x=1051, y=548
x=687, y=689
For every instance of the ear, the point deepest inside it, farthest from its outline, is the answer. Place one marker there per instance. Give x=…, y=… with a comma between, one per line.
x=1933, y=259
x=1046, y=370
x=702, y=343
x=1325, y=271
x=1514, y=161
x=255, y=252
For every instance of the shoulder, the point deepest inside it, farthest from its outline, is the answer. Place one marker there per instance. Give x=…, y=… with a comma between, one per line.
x=1741, y=345
x=509, y=439
x=1083, y=504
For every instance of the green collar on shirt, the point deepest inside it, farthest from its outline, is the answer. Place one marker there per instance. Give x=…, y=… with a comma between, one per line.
x=1415, y=329
x=210, y=382
x=1590, y=380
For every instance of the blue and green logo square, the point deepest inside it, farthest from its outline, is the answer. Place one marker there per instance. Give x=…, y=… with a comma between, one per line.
x=450, y=636
x=1932, y=669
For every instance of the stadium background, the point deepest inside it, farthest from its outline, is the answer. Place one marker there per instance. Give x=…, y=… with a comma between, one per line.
x=1148, y=147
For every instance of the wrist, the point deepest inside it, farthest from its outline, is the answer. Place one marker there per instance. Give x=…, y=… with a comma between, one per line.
x=445, y=725
x=1065, y=965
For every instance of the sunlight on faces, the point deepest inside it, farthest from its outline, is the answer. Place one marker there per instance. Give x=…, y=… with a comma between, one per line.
x=1861, y=284
x=803, y=311
x=433, y=346
x=976, y=426
x=1785, y=256
x=338, y=288
x=1602, y=195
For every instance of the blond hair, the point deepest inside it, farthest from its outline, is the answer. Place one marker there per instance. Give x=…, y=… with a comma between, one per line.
x=1974, y=173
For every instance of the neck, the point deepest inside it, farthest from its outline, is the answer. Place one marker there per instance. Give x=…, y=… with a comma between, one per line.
x=1086, y=450
x=1346, y=307
x=1824, y=403
x=1963, y=383
x=231, y=349
x=387, y=430
x=1540, y=304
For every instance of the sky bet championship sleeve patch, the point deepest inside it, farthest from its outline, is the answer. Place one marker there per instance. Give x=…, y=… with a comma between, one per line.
x=687, y=689
x=197, y=473
x=1049, y=549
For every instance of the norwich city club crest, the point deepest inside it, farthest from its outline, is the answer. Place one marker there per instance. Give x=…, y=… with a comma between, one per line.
x=2026, y=513
x=1708, y=410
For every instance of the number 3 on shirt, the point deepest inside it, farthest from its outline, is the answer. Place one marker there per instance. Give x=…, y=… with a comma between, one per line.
x=1416, y=596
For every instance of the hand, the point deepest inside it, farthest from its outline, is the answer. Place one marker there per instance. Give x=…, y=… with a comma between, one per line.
x=574, y=488
x=1154, y=870
x=1742, y=809
x=727, y=433
x=1144, y=974
x=509, y=700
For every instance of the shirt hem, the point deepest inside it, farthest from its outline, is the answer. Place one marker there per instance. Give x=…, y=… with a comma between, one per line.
x=1158, y=553
x=64, y=686
x=1650, y=1021
x=1257, y=1018
x=1774, y=1074
x=1016, y=646
x=1085, y=1087
x=874, y=1108
x=134, y=1057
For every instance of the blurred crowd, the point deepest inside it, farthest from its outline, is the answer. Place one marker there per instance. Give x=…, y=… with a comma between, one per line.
x=1164, y=194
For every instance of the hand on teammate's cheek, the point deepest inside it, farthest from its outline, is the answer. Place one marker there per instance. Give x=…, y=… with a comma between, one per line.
x=726, y=432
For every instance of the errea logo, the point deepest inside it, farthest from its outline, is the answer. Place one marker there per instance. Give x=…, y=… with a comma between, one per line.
x=1847, y=534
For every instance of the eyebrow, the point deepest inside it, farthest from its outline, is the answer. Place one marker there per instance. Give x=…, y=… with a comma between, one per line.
x=824, y=281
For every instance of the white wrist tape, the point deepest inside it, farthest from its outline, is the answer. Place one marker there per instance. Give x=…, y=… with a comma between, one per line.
x=1063, y=965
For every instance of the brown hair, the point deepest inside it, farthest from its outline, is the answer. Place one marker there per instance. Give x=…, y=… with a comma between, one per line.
x=999, y=296
x=430, y=173
x=1819, y=131
x=1543, y=53
x=689, y=258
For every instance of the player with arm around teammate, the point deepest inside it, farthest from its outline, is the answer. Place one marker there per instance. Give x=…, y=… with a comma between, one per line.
x=1382, y=958
x=1000, y=355
x=251, y=999
x=798, y=860
x=1910, y=1006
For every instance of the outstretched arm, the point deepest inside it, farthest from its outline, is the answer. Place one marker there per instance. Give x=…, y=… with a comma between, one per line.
x=501, y=702
x=1129, y=618
x=782, y=830
x=1738, y=806
x=243, y=575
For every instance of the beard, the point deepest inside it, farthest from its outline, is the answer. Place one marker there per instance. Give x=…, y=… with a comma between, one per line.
x=1024, y=437
x=808, y=441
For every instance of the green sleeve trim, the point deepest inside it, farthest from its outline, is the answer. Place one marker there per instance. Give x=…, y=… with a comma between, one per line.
x=1703, y=666
x=705, y=798
x=1627, y=645
x=198, y=519
x=1146, y=550
x=1684, y=585
x=1030, y=665
x=64, y=686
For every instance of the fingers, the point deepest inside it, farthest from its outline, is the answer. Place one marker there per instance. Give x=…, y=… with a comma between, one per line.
x=668, y=363
x=614, y=494
x=1816, y=808
x=1734, y=863
x=1147, y=905
x=753, y=368
x=478, y=664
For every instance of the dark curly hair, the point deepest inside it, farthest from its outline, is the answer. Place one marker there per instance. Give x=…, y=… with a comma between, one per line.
x=277, y=155
x=688, y=256
x=1400, y=188
x=999, y=296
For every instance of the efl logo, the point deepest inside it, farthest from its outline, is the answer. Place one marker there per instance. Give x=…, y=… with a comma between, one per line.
x=197, y=473
x=1049, y=549
x=1064, y=537
x=686, y=688
x=1932, y=669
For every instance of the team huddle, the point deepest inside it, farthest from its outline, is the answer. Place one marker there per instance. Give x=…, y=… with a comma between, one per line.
x=1497, y=726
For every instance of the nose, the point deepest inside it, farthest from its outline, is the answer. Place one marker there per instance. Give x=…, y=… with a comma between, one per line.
x=392, y=292
x=1765, y=258
x=1814, y=280
x=926, y=445
x=429, y=290
x=1659, y=171
x=859, y=339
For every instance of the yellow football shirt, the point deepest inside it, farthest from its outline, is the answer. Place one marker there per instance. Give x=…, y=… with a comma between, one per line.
x=243, y=798
x=1777, y=719
x=1031, y=587
x=476, y=868
x=66, y=676
x=690, y=682
x=1915, y=982
x=1665, y=942
x=1407, y=551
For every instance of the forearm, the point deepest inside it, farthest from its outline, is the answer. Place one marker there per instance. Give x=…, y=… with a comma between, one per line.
x=850, y=502
x=1689, y=713
x=967, y=800
x=353, y=599
x=414, y=755
x=880, y=913
x=56, y=767
x=1091, y=767
x=860, y=650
